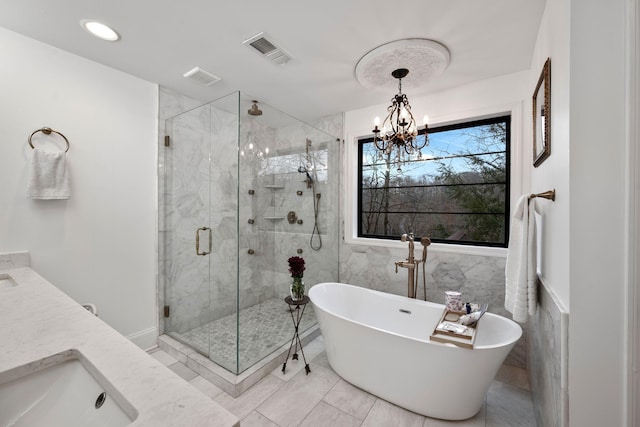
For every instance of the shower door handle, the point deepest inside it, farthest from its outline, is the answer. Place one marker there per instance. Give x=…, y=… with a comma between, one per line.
x=198, y=241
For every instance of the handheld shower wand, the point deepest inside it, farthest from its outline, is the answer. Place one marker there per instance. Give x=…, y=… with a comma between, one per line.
x=425, y=241
x=311, y=183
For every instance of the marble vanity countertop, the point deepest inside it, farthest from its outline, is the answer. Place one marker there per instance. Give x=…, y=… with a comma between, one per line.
x=37, y=320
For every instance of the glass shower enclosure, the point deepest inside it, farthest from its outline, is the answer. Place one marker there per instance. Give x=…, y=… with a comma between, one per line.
x=240, y=193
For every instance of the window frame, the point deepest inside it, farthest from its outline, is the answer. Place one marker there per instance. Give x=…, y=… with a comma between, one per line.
x=506, y=117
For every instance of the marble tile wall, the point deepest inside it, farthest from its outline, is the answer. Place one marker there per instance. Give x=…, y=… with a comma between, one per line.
x=255, y=282
x=275, y=182
x=14, y=260
x=324, y=152
x=548, y=329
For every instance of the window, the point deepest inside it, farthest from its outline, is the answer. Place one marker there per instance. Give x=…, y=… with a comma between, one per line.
x=457, y=192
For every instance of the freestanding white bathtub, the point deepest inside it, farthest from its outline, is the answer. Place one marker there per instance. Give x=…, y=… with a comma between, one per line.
x=380, y=343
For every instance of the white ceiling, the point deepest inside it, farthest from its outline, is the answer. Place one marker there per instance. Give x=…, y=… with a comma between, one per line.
x=163, y=39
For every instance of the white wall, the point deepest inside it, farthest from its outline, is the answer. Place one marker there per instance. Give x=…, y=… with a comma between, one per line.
x=553, y=43
x=98, y=246
x=585, y=258
x=598, y=177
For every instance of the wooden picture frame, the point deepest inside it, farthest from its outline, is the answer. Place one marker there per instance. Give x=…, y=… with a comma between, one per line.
x=542, y=116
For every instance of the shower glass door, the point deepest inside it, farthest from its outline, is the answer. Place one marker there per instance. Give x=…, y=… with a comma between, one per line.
x=242, y=192
x=200, y=229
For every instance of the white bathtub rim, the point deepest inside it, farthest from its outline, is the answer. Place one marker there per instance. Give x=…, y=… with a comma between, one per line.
x=405, y=300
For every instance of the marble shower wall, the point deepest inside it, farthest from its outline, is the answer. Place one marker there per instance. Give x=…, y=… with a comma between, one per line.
x=255, y=257
x=279, y=188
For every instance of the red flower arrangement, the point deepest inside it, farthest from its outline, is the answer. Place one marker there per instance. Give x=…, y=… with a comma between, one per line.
x=296, y=266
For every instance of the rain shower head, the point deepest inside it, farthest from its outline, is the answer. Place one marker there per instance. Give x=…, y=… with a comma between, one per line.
x=254, y=110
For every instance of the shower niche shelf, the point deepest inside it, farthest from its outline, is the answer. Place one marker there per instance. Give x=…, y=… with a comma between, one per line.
x=274, y=218
x=274, y=186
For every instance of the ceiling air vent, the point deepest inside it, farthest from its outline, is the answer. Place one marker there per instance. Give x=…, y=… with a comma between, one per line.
x=201, y=76
x=267, y=48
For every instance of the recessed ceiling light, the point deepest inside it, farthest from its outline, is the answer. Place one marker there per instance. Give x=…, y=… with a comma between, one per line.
x=100, y=30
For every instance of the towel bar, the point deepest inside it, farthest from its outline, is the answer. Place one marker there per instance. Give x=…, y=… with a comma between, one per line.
x=47, y=131
x=551, y=195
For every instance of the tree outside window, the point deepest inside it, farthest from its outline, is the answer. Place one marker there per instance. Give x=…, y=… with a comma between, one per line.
x=457, y=191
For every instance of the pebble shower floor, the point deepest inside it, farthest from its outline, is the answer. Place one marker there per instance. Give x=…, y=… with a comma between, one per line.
x=264, y=327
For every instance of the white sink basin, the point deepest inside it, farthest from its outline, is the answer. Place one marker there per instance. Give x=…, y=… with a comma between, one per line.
x=61, y=390
x=6, y=281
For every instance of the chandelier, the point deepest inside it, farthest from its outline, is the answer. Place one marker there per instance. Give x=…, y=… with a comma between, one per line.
x=399, y=130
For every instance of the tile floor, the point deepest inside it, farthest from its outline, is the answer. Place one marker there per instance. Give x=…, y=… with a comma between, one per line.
x=323, y=399
x=263, y=328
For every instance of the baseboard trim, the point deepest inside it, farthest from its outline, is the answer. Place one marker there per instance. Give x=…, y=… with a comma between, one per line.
x=145, y=339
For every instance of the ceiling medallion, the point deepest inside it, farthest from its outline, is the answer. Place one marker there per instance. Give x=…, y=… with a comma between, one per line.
x=425, y=58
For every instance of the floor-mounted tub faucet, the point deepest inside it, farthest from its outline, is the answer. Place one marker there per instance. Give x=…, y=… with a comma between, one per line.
x=411, y=264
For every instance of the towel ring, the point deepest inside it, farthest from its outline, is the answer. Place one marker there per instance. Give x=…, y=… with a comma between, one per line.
x=48, y=131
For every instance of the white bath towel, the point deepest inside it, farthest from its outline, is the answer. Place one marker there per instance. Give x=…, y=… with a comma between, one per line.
x=48, y=177
x=520, y=284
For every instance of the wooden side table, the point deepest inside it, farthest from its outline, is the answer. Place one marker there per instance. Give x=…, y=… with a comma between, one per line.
x=295, y=340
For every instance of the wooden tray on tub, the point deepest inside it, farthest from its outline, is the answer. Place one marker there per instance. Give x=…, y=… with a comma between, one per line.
x=448, y=334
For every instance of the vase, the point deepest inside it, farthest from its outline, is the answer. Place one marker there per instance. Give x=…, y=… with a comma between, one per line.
x=297, y=289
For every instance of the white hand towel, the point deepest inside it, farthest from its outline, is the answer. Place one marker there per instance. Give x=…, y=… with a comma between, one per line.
x=48, y=178
x=520, y=270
